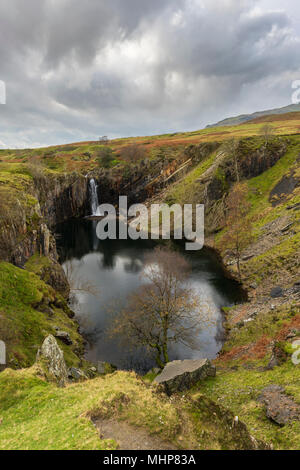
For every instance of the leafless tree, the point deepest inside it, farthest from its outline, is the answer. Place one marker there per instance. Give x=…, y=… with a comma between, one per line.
x=239, y=230
x=76, y=283
x=163, y=311
x=267, y=132
x=103, y=139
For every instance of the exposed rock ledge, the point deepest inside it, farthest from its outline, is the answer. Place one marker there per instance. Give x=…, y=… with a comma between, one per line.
x=182, y=375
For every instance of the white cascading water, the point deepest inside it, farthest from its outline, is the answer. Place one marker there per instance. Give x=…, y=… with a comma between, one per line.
x=94, y=197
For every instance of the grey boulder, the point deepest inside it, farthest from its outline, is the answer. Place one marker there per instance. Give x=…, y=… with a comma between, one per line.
x=276, y=292
x=51, y=359
x=280, y=408
x=178, y=376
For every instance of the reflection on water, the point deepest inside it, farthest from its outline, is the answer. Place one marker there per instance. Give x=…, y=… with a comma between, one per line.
x=114, y=267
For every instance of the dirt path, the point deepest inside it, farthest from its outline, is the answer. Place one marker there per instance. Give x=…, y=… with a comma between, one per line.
x=129, y=437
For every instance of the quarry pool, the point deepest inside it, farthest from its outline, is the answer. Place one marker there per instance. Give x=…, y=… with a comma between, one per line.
x=113, y=268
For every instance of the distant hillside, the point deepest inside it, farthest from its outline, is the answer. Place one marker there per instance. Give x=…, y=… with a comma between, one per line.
x=233, y=121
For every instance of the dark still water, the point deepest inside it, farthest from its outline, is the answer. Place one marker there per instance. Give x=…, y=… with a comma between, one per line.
x=114, y=267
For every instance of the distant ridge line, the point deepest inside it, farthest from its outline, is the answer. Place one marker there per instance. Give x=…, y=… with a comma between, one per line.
x=242, y=118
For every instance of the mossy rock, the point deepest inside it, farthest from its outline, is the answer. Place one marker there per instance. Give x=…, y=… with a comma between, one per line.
x=51, y=272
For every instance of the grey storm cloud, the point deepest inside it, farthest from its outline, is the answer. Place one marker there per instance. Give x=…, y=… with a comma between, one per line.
x=78, y=69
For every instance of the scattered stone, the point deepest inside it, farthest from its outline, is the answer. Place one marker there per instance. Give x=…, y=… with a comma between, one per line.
x=276, y=292
x=280, y=408
x=76, y=374
x=182, y=375
x=64, y=337
x=253, y=285
x=51, y=358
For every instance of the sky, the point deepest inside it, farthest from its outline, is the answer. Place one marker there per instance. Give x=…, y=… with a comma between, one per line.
x=78, y=69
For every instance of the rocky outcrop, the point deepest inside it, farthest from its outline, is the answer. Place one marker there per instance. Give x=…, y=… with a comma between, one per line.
x=284, y=188
x=54, y=275
x=51, y=272
x=76, y=374
x=26, y=241
x=251, y=163
x=182, y=375
x=51, y=359
x=255, y=162
x=64, y=337
x=280, y=408
x=62, y=197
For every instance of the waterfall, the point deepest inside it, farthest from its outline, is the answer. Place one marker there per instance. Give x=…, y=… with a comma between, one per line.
x=94, y=197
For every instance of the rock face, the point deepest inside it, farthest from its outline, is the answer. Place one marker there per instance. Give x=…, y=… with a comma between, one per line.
x=280, y=408
x=181, y=375
x=64, y=337
x=54, y=275
x=51, y=358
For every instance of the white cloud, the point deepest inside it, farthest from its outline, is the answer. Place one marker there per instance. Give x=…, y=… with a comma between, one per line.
x=76, y=70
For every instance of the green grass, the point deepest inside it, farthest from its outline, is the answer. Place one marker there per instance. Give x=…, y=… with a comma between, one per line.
x=22, y=326
x=238, y=390
x=261, y=186
x=270, y=264
x=67, y=158
x=267, y=324
x=38, y=415
x=186, y=190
